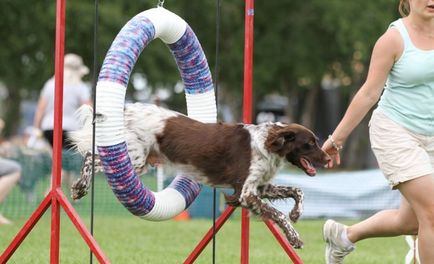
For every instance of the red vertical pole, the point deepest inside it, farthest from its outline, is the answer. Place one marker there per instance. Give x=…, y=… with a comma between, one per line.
x=248, y=61
x=247, y=112
x=245, y=228
x=57, y=132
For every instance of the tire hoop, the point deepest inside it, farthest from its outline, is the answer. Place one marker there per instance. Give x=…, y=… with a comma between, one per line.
x=110, y=93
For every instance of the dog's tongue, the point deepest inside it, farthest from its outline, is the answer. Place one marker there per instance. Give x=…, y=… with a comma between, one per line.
x=308, y=168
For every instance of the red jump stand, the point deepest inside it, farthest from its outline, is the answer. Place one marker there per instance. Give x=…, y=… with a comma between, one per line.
x=55, y=197
x=247, y=118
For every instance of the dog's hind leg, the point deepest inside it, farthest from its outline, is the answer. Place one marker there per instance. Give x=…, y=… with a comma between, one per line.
x=259, y=207
x=81, y=186
x=274, y=192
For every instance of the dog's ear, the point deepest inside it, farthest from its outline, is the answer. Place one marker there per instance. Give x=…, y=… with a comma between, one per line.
x=289, y=136
x=280, y=142
x=277, y=144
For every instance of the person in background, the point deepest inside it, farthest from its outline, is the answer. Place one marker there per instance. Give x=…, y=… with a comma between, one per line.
x=75, y=94
x=401, y=131
x=10, y=173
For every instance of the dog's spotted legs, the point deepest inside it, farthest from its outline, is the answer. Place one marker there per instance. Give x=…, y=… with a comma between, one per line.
x=81, y=186
x=274, y=192
x=259, y=207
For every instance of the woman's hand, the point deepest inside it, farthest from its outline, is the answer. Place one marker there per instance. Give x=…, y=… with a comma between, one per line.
x=331, y=148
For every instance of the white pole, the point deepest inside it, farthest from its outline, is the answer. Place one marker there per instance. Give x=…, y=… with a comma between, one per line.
x=160, y=177
x=413, y=253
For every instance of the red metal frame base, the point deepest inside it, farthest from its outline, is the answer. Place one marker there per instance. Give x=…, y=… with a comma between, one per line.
x=54, y=198
x=244, y=238
x=283, y=242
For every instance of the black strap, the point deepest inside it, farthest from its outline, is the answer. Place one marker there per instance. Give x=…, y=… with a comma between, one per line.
x=216, y=82
x=94, y=81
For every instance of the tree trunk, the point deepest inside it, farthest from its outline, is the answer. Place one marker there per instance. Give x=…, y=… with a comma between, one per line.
x=12, y=113
x=308, y=115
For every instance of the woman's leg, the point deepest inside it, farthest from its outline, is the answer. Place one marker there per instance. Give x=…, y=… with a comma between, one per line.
x=419, y=193
x=340, y=239
x=7, y=182
x=392, y=222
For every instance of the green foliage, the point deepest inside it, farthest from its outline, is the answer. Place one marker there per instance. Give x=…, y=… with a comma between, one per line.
x=295, y=42
x=305, y=39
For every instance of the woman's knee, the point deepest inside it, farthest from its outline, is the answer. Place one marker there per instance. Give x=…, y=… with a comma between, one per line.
x=426, y=217
x=13, y=177
x=425, y=213
x=409, y=225
x=411, y=228
x=418, y=193
x=17, y=175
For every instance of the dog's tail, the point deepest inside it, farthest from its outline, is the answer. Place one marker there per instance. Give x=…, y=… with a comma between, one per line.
x=81, y=139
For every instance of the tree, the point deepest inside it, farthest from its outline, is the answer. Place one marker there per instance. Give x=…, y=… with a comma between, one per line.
x=296, y=44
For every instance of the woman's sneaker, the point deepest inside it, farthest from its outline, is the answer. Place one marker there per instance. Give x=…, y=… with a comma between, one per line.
x=4, y=220
x=336, y=250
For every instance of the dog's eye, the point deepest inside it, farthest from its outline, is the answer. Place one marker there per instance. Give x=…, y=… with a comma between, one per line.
x=309, y=145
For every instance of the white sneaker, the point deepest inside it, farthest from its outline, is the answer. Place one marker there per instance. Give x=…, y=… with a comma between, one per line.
x=336, y=250
x=4, y=220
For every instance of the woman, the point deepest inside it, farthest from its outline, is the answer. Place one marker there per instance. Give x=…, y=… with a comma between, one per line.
x=10, y=173
x=401, y=132
x=75, y=94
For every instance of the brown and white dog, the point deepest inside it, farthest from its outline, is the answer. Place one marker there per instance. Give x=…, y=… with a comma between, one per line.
x=244, y=157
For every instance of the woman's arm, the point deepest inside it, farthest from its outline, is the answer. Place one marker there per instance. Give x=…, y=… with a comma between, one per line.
x=386, y=51
x=39, y=114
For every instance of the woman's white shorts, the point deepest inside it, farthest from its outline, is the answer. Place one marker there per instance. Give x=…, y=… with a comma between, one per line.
x=401, y=154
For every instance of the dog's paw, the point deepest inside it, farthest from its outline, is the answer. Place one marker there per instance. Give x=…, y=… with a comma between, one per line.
x=79, y=189
x=296, y=243
x=77, y=194
x=294, y=215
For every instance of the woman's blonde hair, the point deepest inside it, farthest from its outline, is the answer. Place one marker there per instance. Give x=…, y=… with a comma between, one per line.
x=404, y=8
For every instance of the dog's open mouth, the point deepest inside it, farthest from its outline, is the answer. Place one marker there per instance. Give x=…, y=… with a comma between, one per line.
x=307, y=166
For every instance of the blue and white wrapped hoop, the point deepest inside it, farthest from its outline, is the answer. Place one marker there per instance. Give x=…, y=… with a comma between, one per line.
x=110, y=93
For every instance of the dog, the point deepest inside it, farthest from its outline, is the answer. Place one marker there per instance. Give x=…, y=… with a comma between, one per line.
x=245, y=157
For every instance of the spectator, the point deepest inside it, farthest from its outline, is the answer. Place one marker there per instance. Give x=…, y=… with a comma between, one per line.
x=75, y=94
x=10, y=173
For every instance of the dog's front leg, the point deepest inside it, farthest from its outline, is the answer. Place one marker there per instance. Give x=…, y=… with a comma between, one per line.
x=259, y=207
x=81, y=186
x=273, y=192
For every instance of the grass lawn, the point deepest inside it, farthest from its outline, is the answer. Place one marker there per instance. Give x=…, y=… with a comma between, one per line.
x=128, y=239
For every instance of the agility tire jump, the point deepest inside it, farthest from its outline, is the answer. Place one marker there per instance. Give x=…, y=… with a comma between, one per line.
x=110, y=97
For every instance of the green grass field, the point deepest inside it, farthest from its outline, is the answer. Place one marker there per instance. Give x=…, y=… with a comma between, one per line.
x=128, y=239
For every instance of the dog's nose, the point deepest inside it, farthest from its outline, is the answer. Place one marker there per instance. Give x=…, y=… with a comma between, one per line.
x=327, y=158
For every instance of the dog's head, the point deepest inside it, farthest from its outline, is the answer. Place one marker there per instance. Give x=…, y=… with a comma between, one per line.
x=298, y=145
